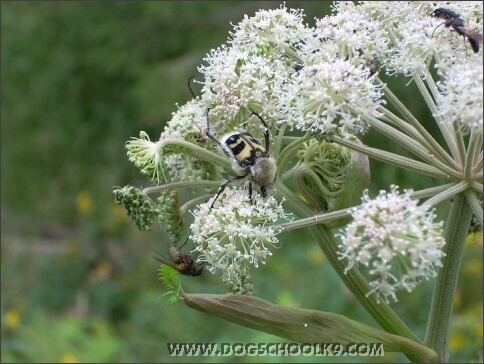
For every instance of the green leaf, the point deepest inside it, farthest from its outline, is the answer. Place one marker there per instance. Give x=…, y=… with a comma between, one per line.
x=302, y=325
x=170, y=278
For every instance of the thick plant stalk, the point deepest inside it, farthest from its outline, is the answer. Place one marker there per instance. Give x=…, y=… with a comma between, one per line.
x=455, y=233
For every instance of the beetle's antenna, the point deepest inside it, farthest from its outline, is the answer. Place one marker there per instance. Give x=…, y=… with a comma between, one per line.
x=190, y=80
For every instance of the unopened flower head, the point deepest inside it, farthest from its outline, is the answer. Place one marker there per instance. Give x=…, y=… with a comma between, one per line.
x=395, y=241
x=461, y=99
x=140, y=208
x=169, y=213
x=331, y=177
x=234, y=235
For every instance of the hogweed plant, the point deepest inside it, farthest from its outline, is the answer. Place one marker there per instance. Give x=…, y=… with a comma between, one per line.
x=325, y=83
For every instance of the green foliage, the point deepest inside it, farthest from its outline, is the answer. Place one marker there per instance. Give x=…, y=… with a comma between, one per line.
x=171, y=279
x=58, y=291
x=71, y=339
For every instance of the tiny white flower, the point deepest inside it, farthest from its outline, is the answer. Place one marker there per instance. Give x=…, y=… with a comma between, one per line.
x=461, y=98
x=239, y=239
x=189, y=122
x=351, y=33
x=395, y=241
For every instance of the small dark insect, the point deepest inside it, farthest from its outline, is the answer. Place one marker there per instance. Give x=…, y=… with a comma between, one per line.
x=453, y=20
x=444, y=14
x=250, y=159
x=183, y=262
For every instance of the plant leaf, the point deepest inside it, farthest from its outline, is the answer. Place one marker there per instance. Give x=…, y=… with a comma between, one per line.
x=170, y=278
x=302, y=325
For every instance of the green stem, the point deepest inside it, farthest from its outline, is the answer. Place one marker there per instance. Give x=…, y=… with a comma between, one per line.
x=335, y=215
x=447, y=194
x=187, y=205
x=432, y=191
x=471, y=155
x=289, y=151
x=416, y=129
x=445, y=126
x=475, y=204
x=278, y=145
x=477, y=154
x=397, y=160
x=196, y=151
x=409, y=143
x=316, y=219
x=353, y=279
x=455, y=233
x=177, y=185
x=477, y=186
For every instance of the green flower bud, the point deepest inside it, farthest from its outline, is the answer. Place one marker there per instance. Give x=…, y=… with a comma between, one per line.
x=139, y=207
x=331, y=177
x=170, y=214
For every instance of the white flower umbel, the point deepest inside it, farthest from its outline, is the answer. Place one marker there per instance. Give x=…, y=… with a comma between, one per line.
x=349, y=34
x=461, y=99
x=260, y=57
x=401, y=36
x=395, y=241
x=233, y=236
x=331, y=94
x=189, y=122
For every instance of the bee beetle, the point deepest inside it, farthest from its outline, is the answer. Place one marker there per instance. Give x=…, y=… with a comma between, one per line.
x=249, y=159
x=453, y=20
x=183, y=262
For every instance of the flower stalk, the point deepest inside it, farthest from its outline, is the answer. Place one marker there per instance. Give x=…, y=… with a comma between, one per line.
x=456, y=230
x=395, y=159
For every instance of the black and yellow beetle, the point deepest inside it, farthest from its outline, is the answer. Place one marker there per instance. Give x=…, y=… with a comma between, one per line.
x=249, y=159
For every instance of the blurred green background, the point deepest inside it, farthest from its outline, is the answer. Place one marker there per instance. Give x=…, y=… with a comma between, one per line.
x=79, y=283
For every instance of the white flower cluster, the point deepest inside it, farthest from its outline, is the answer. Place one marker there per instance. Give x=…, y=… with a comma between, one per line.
x=324, y=77
x=233, y=235
x=328, y=95
x=461, y=99
x=414, y=39
x=260, y=58
x=319, y=79
x=395, y=241
x=189, y=122
x=291, y=73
